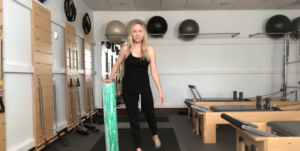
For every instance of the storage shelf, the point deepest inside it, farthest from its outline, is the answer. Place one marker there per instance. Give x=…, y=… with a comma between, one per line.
x=232, y=34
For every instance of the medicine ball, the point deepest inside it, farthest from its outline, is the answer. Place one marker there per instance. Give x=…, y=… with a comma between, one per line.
x=278, y=24
x=189, y=26
x=131, y=23
x=116, y=28
x=295, y=28
x=157, y=25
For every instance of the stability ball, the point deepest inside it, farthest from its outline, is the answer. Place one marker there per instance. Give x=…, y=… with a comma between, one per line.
x=131, y=23
x=278, y=24
x=188, y=26
x=116, y=27
x=295, y=28
x=157, y=25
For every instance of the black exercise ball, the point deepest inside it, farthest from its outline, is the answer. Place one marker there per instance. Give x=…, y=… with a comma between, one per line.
x=189, y=26
x=278, y=24
x=157, y=25
x=295, y=28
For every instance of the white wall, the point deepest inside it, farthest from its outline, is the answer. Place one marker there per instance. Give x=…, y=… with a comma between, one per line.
x=18, y=67
x=217, y=65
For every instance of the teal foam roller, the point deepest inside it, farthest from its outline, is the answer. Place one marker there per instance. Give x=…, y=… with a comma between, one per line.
x=110, y=117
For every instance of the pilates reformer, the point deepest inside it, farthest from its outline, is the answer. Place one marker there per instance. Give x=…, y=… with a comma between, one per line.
x=207, y=119
x=47, y=143
x=207, y=102
x=195, y=91
x=227, y=101
x=275, y=136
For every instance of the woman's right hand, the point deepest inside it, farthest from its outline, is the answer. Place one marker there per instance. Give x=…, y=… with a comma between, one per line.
x=108, y=80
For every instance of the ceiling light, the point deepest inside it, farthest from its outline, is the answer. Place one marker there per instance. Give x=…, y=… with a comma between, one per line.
x=224, y=3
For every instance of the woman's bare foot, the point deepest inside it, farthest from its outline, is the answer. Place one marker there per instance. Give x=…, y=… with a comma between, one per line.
x=138, y=149
x=156, y=140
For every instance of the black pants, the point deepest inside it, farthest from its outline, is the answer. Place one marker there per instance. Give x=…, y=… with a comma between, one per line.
x=131, y=102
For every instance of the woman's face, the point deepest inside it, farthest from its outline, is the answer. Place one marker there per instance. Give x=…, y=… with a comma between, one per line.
x=137, y=33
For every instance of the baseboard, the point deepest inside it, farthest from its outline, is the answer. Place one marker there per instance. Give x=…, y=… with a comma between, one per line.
x=24, y=146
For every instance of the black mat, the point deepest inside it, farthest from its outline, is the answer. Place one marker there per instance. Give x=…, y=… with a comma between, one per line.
x=238, y=108
x=288, y=127
x=122, y=119
x=144, y=119
x=167, y=137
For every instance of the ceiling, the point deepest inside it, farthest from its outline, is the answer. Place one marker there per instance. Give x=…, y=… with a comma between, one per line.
x=168, y=5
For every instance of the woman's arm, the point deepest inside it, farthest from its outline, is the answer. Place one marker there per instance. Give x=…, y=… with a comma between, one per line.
x=154, y=72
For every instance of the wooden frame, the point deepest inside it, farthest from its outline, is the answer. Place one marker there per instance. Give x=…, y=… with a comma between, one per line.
x=207, y=121
x=42, y=68
x=2, y=94
x=209, y=104
x=87, y=74
x=71, y=74
x=266, y=143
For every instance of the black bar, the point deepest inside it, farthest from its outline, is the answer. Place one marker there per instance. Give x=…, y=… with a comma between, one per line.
x=258, y=101
x=2, y=110
x=241, y=98
x=188, y=103
x=234, y=95
x=233, y=121
x=192, y=86
x=268, y=103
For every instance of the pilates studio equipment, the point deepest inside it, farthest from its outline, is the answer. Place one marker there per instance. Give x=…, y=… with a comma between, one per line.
x=88, y=99
x=42, y=76
x=116, y=31
x=194, y=89
x=205, y=119
x=86, y=23
x=42, y=1
x=295, y=29
x=71, y=73
x=41, y=107
x=156, y=26
x=70, y=10
x=213, y=101
x=187, y=27
x=110, y=117
x=80, y=129
x=2, y=107
x=278, y=24
x=263, y=137
x=2, y=94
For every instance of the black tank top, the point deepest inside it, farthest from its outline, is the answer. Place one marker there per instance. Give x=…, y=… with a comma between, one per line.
x=136, y=77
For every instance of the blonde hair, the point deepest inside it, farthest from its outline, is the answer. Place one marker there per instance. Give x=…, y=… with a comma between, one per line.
x=130, y=44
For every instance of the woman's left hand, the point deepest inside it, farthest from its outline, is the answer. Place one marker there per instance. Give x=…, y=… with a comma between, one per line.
x=162, y=98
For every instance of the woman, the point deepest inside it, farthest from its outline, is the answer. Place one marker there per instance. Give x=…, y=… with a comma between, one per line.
x=137, y=55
